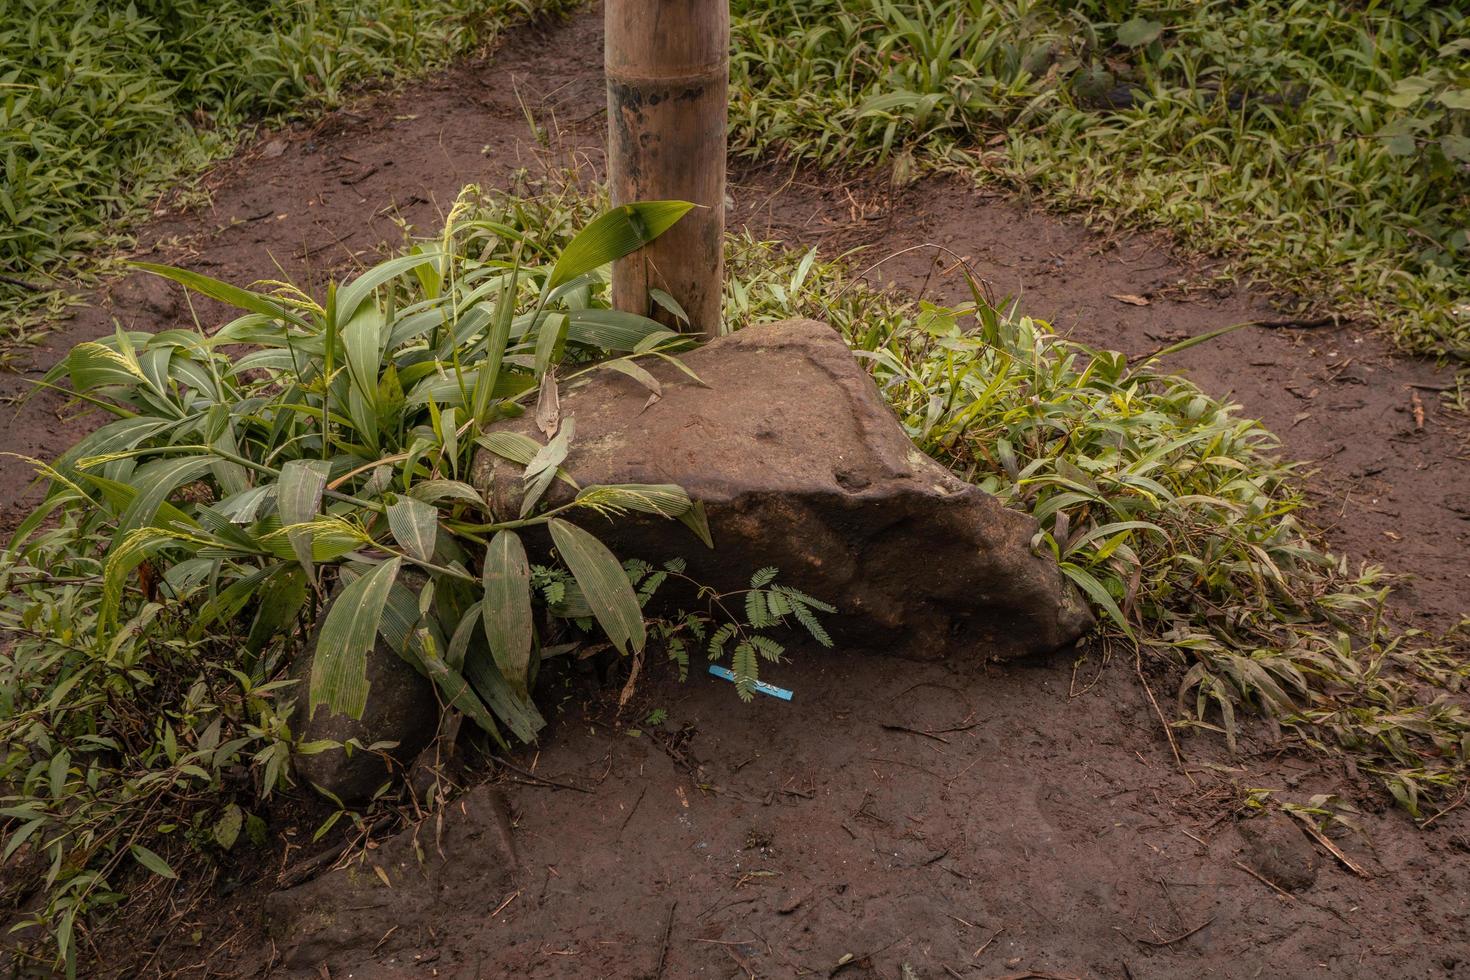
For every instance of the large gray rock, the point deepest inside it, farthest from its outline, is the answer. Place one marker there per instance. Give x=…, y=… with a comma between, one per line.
x=401, y=708
x=801, y=465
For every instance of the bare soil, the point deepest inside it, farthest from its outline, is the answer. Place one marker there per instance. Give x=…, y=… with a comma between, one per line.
x=895, y=818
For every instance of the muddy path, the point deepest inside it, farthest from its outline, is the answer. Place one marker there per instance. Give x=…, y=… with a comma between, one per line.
x=957, y=820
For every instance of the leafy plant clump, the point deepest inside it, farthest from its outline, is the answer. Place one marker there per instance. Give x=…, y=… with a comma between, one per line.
x=1325, y=146
x=156, y=598
x=183, y=549
x=1172, y=513
x=105, y=106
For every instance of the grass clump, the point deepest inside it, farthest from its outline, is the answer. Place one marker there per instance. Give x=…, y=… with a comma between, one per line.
x=104, y=107
x=1324, y=146
x=1172, y=513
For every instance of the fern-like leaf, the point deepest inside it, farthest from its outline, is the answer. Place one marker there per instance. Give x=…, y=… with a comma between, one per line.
x=636, y=569
x=807, y=618
x=746, y=667
x=763, y=578
x=802, y=599
x=768, y=648
x=650, y=586
x=756, y=614
x=679, y=654
x=719, y=639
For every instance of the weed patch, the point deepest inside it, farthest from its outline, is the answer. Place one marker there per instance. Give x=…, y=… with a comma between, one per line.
x=105, y=107
x=1173, y=514
x=154, y=602
x=1325, y=147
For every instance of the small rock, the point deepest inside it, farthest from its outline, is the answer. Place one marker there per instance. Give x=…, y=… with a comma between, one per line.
x=401, y=708
x=1277, y=850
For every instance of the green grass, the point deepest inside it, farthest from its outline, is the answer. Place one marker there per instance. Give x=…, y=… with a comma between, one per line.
x=106, y=108
x=1323, y=146
x=1174, y=514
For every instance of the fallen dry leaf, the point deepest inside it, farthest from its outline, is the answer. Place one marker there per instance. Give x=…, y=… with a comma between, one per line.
x=1130, y=299
x=548, y=405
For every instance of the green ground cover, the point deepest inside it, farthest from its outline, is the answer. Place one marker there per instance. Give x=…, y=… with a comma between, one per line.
x=106, y=106
x=1323, y=146
x=145, y=719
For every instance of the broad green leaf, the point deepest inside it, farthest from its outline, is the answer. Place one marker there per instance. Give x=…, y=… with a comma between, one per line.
x=520, y=449
x=1098, y=593
x=637, y=372
x=553, y=453
x=612, y=330
x=604, y=583
x=152, y=861
x=153, y=482
x=461, y=695
x=361, y=346
x=667, y=302
x=298, y=500
x=350, y=296
x=432, y=491
x=92, y=365
x=515, y=712
x=281, y=602
x=545, y=465
x=415, y=526
x=506, y=608
x=339, y=662
x=665, y=499
x=489, y=373
x=227, y=827
x=549, y=341
x=513, y=446
x=615, y=234
x=1138, y=32
x=234, y=296
x=123, y=558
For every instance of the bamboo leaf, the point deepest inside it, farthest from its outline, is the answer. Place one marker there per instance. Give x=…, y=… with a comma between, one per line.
x=615, y=234
x=432, y=491
x=350, y=296
x=637, y=372
x=234, y=296
x=362, y=348
x=612, y=330
x=298, y=500
x=489, y=373
x=549, y=340
x=664, y=499
x=507, y=608
x=339, y=662
x=415, y=526
x=516, y=713
x=151, y=861
x=604, y=584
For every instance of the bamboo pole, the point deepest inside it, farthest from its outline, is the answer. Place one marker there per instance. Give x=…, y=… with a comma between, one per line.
x=668, y=71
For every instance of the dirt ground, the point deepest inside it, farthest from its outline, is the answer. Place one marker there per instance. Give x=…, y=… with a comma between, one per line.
x=894, y=819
